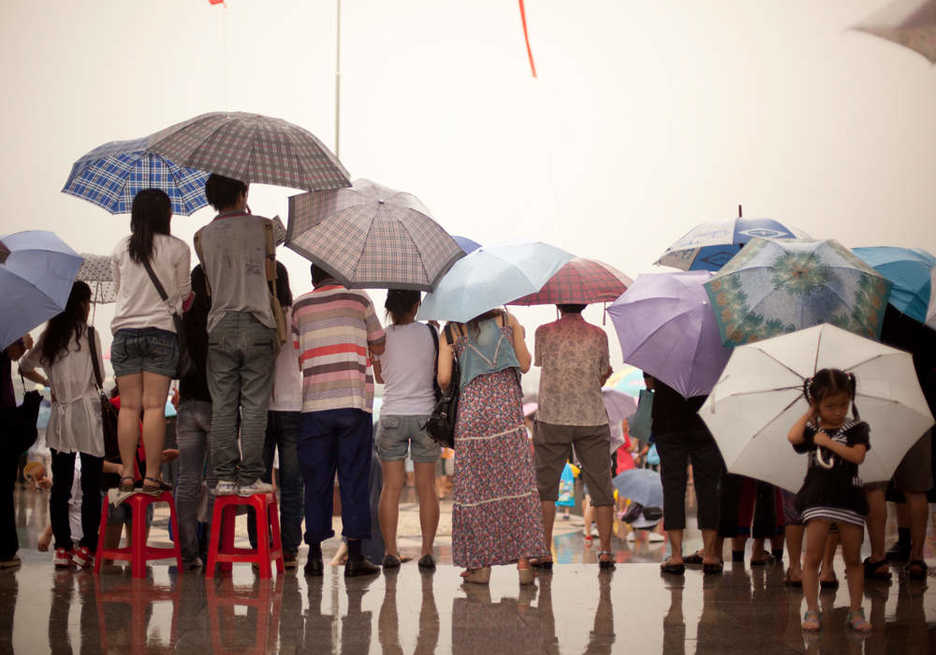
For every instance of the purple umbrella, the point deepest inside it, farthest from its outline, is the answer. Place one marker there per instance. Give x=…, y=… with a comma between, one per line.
x=667, y=328
x=618, y=404
x=466, y=244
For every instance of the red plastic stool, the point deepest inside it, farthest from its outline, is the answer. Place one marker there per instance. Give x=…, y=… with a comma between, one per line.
x=138, y=596
x=264, y=596
x=137, y=552
x=221, y=548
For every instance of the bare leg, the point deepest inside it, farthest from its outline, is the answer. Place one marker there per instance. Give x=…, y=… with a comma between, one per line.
x=388, y=510
x=128, y=420
x=605, y=521
x=918, y=510
x=676, y=539
x=155, y=392
x=851, y=550
x=710, y=554
x=877, y=522
x=588, y=513
x=794, y=544
x=816, y=532
x=549, y=518
x=827, y=573
x=428, y=504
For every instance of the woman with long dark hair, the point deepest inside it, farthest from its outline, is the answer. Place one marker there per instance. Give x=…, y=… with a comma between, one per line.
x=145, y=350
x=63, y=352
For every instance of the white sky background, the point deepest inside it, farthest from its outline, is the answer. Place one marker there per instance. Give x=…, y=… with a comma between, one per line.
x=646, y=119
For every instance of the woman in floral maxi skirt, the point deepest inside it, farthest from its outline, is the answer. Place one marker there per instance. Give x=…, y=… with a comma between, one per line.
x=496, y=517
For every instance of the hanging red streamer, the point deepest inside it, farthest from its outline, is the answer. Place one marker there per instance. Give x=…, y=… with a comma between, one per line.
x=526, y=37
x=216, y=2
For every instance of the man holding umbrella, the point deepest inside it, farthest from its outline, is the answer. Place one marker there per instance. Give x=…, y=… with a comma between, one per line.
x=574, y=358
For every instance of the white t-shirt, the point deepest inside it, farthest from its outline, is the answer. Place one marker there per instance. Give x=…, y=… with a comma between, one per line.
x=408, y=367
x=287, y=380
x=138, y=302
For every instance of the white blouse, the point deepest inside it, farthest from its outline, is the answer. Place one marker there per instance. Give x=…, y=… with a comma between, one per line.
x=75, y=422
x=138, y=302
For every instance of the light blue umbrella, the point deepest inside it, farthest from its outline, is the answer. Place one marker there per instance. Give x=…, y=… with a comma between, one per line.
x=909, y=269
x=642, y=486
x=466, y=244
x=36, y=274
x=776, y=286
x=113, y=173
x=489, y=277
x=709, y=246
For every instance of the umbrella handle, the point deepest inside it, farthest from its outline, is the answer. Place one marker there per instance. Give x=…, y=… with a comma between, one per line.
x=821, y=460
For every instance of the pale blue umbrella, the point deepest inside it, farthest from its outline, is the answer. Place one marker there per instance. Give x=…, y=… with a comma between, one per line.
x=910, y=270
x=777, y=286
x=642, y=486
x=36, y=274
x=489, y=277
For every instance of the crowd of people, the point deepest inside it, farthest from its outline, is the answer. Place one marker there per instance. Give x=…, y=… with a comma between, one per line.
x=262, y=372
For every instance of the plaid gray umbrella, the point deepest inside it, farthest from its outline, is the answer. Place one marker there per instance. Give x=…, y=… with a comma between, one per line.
x=97, y=272
x=252, y=148
x=369, y=236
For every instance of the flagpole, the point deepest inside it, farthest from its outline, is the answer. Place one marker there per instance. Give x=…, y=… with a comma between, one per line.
x=338, y=80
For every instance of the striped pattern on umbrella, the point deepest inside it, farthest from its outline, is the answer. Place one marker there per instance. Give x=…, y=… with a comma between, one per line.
x=580, y=282
x=112, y=174
x=369, y=236
x=96, y=270
x=252, y=148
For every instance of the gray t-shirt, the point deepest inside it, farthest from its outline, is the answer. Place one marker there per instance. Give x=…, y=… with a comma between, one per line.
x=233, y=256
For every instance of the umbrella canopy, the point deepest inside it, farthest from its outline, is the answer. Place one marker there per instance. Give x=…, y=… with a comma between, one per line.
x=580, y=282
x=35, y=281
x=628, y=380
x=773, y=287
x=931, y=312
x=491, y=276
x=466, y=244
x=370, y=236
x=112, y=174
x=909, y=270
x=252, y=148
x=709, y=246
x=619, y=405
x=666, y=328
x=911, y=23
x=97, y=272
x=642, y=486
x=760, y=396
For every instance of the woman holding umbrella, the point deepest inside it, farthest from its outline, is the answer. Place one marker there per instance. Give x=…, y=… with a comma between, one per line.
x=145, y=350
x=496, y=517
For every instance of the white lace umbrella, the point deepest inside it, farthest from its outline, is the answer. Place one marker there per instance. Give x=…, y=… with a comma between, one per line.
x=96, y=271
x=759, y=397
x=911, y=23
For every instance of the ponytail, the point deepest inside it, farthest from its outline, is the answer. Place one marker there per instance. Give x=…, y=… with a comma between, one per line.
x=852, y=391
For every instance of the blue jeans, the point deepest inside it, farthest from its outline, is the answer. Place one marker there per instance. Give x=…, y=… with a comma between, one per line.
x=282, y=434
x=339, y=440
x=192, y=429
x=241, y=355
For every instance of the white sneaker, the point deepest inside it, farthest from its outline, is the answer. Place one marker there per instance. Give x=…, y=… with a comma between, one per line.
x=256, y=487
x=225, y=488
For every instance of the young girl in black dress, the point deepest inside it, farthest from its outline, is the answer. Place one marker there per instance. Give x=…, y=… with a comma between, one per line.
x=832, y=491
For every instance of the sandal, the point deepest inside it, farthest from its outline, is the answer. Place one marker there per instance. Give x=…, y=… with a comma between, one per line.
x=126, y=488
x=762, y=561
x=811, y=621
x=916, y=569
x=873, y=570
x=858, y=622
x=695, y=559
x=788, y=581
x=155, y=489
x=673, y=569
x=713, y=569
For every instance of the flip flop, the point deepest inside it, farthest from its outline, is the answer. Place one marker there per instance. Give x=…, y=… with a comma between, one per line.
x=713, y=569
x=790, y=582
x=695, y=559
x=916, y=569
x=673, y=569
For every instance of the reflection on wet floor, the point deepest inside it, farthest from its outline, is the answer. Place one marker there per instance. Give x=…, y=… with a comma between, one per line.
x=576, y=609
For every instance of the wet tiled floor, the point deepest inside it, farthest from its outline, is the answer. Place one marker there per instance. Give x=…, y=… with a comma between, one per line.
x=576, y=609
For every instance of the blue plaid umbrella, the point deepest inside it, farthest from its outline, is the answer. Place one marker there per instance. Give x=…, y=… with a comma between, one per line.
x=112, y=174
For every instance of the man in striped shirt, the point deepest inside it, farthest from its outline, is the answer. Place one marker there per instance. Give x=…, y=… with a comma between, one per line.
x=337, y=331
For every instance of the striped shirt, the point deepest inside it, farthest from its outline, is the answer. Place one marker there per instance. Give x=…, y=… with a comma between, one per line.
x=333, y=327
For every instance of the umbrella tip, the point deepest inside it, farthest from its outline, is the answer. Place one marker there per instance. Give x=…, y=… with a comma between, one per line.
x=740, y=214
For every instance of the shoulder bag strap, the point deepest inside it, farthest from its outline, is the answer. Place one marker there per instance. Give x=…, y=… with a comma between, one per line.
x=156, y=283
x=94, y=358
x=270, y=256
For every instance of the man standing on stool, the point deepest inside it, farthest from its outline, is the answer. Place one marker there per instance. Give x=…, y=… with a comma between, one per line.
x=242, y=339
x=574, y=359
x=337, y=332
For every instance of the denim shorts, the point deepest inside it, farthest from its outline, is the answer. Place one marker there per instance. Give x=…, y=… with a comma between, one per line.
x=149, y=350
x=397, y=434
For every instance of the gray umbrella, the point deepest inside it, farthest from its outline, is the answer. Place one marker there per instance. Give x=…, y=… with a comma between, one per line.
x=372, y=237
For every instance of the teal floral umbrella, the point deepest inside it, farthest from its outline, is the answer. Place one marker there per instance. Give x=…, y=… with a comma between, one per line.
x=774, y=287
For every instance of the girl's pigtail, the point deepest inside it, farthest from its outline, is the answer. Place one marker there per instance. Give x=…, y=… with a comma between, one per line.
x=852, y=391
x=806, y=384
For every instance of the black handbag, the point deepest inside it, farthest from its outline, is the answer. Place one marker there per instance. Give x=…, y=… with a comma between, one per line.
x=108, y=413
x=185, y=364
x=441, y=423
